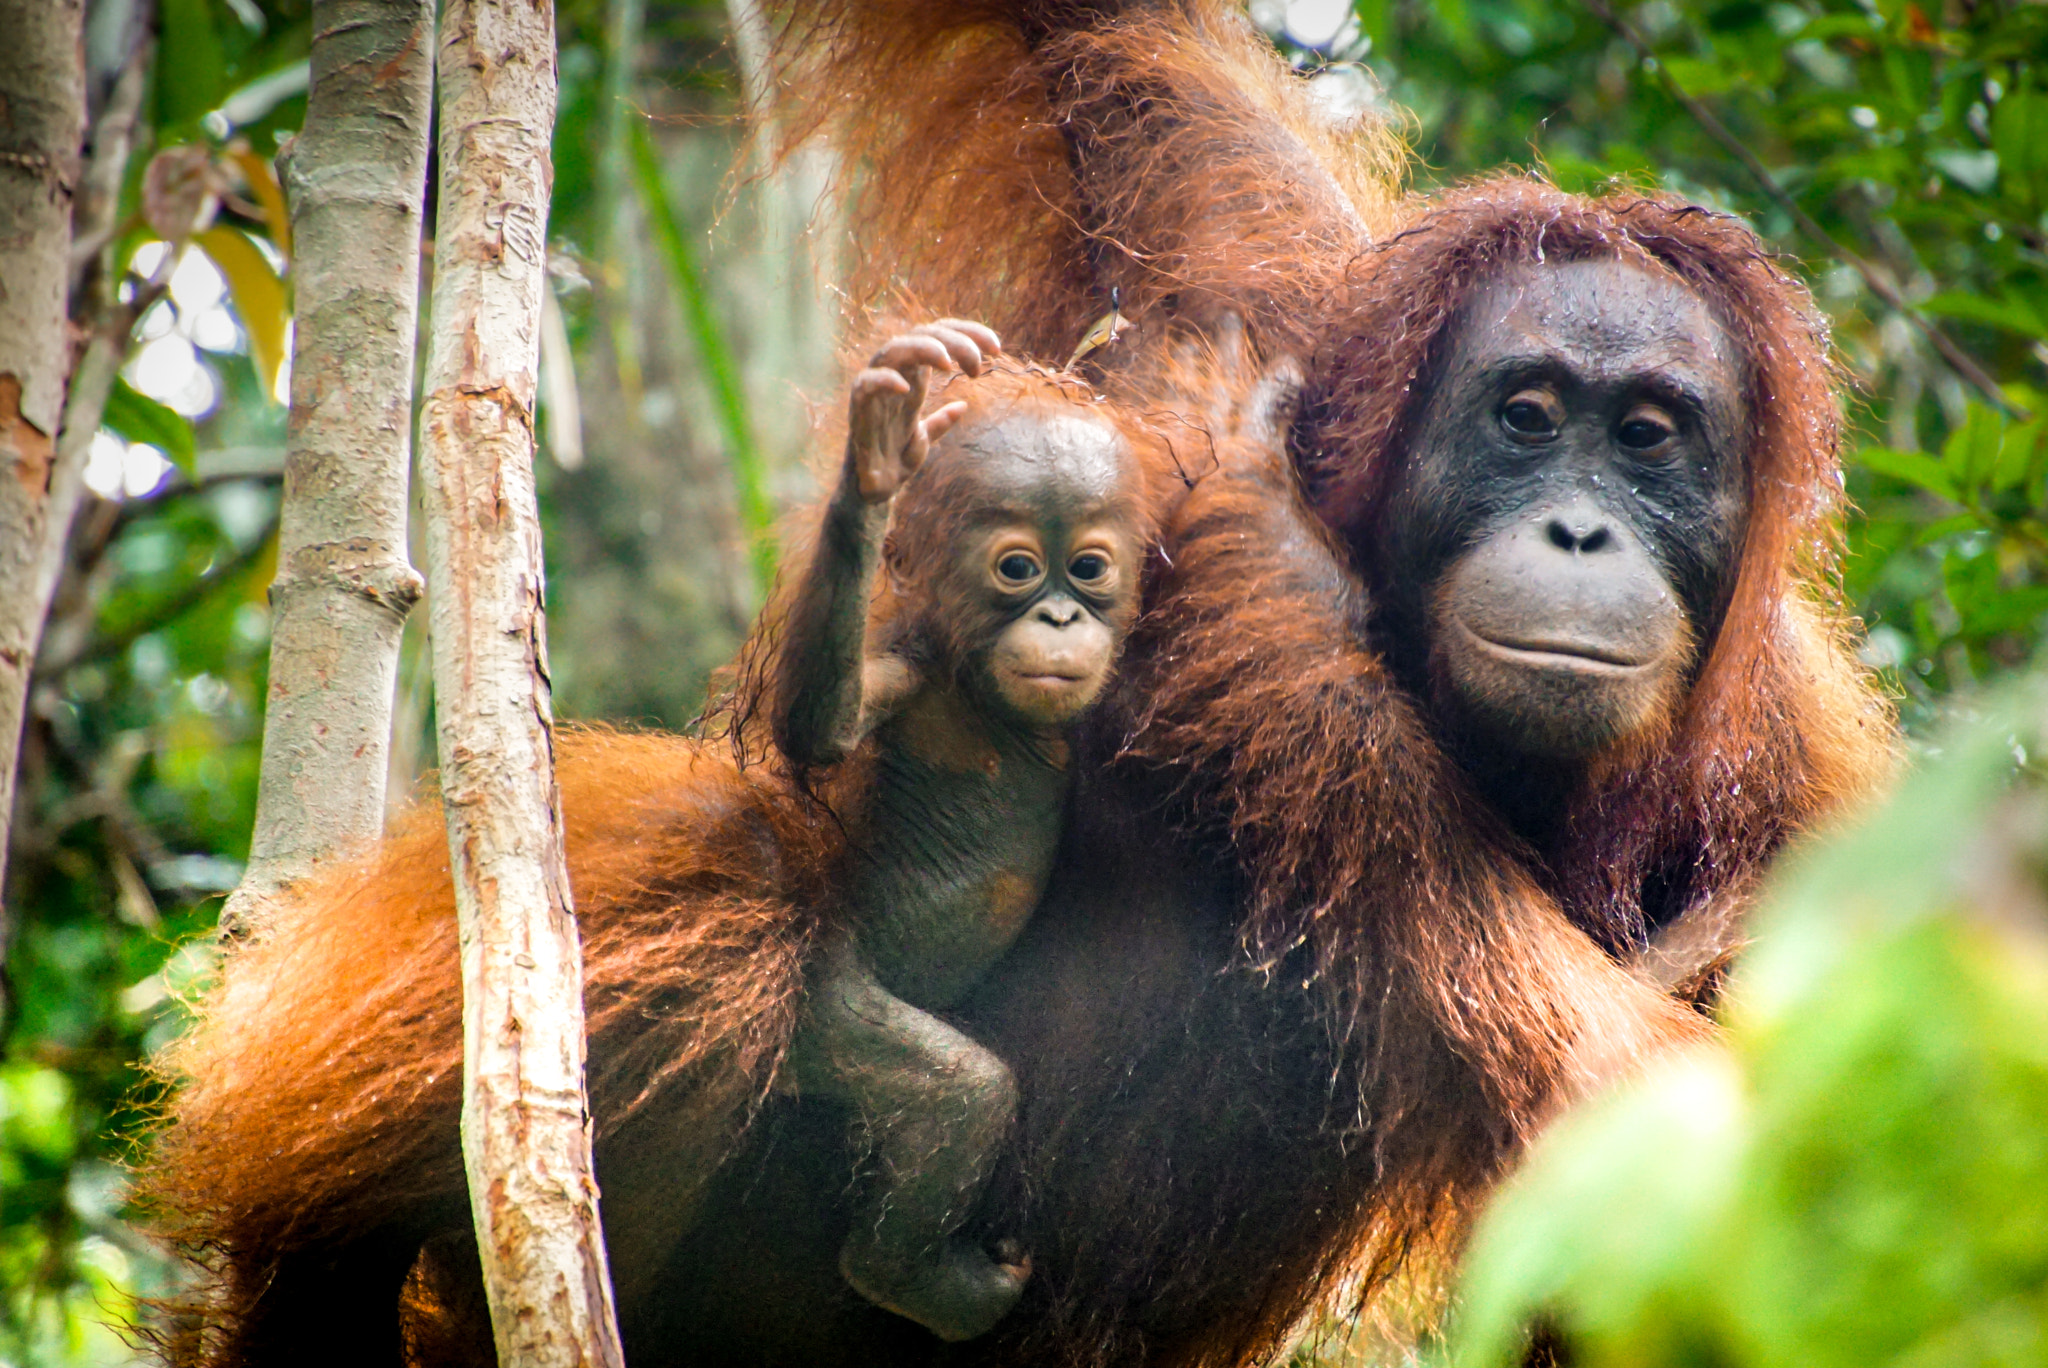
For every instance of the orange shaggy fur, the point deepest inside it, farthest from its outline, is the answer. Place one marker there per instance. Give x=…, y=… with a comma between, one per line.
x=321, y=1088
x=1298, y=995
x=1014, y=162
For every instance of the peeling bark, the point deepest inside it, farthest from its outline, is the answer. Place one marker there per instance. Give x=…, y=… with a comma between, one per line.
x=525, y=1121
x=356, y=178
x=42, y=136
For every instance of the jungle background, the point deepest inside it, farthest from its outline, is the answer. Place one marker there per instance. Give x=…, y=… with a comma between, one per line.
x=1862, y=1180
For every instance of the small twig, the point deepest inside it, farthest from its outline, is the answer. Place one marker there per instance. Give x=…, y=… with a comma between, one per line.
x=95, y=220
x=166, y=612
x=179, y=484
x=1879, y=282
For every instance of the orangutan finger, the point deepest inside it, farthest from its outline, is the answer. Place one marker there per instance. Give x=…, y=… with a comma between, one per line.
x=963, y=349
x=878, y=380
x=940, y=420
x=911, y=350
x=983, y=336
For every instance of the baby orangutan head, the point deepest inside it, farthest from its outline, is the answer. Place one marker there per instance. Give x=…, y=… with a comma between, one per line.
x=1019, y=543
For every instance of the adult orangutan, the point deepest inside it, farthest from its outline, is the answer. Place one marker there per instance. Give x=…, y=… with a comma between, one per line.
x=1506, y=652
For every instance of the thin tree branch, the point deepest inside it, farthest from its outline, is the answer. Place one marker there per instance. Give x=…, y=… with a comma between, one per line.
x=164, y=613
x=1880, y=282
x=356, y=181
x=525, y=1119
x=95, y=218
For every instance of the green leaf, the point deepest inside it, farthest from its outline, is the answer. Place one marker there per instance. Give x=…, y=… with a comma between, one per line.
x=1700, y=78
x=2005, y=610
x=2019, y=132
x=35, y=1111
x=2012, y=314
x=1852, y=25
x=1456, y=19
x=140, y=418
x=258, y=293
x=2022, y=456
x=1915, y=468
x=1971, y=452
x=749, y=470
x=191, y=66
x=1376, y=18
x=1929, y=534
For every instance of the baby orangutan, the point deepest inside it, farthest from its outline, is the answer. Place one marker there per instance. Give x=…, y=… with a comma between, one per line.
x=1012, y=565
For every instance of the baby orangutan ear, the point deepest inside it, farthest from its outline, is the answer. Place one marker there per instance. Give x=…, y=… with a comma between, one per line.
x=892, y=565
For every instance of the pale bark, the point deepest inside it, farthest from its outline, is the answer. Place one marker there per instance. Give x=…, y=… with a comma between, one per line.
x=42, y=134
x=356, y=178
x=525, y=1123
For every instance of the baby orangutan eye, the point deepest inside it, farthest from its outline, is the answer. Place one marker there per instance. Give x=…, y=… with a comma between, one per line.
x=1018, y=567
x=1088, y=567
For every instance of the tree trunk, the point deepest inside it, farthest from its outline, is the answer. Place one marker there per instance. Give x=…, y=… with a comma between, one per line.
x=525, y=1124
x=42, y=133
x=356, y=177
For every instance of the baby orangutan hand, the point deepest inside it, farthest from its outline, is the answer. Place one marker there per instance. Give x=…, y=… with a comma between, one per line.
x=885, y=440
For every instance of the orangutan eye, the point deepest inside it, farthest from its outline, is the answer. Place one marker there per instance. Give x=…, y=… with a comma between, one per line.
x=1019, y=567
x=1645, y=428
x=1088, y=567
x=1531, y=416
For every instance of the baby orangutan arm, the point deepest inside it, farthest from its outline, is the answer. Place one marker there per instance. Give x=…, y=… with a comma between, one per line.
x=831, y=694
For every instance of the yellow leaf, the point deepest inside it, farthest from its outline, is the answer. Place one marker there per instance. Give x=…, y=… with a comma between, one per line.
x=1101, y=333
x=262, y=178
x=258, y=293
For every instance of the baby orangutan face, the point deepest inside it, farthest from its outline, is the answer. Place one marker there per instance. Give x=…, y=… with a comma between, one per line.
x=1047, y=563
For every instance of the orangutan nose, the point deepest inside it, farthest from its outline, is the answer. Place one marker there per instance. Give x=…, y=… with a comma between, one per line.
x=1580, y=534
x=1058, y=612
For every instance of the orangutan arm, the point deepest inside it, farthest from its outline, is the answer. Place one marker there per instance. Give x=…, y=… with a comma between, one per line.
x=832, y=694
x=826, y=706
x=1209, y=180
x=1691, y=956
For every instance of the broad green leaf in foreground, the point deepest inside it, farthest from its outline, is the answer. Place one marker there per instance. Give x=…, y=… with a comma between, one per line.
x=1861, y=1178
x=140, y=418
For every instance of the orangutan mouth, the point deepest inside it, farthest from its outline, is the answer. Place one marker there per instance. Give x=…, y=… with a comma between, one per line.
x=1553, y=653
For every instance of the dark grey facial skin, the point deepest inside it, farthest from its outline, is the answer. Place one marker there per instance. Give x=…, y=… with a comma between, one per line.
x=1050, y=555
x=1567, y=522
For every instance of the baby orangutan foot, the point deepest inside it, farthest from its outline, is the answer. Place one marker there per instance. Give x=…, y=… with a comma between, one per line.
x=956, y=1290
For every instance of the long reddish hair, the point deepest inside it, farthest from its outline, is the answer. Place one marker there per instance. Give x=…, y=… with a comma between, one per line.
x=1781, y=723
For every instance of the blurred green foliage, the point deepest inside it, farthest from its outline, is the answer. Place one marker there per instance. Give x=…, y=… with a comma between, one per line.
x=1863, y=1177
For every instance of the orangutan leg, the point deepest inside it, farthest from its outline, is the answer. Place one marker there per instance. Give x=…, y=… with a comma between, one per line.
x=934, y=1108
x=326, y=1309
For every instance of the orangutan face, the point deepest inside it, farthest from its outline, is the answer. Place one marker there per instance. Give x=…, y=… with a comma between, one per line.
x=1573, y=503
